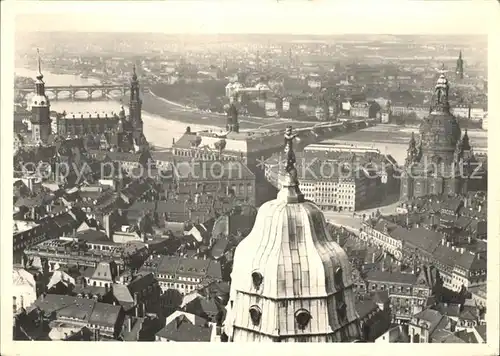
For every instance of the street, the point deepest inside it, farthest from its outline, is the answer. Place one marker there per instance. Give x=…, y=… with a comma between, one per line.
x=354, y=223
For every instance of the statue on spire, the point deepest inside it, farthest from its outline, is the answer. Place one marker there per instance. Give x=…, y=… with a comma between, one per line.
x=134, y=74
x=441, y=90
x=290, y=155
x=40, y=75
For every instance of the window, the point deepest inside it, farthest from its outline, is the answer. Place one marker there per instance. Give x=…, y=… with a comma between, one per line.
x=302, y=318
x=255, y=314
x=257, y=279
x=338, y=279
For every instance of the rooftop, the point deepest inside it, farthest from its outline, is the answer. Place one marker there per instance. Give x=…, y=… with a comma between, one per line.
x=175, y=265
x=391, y=277
x=182, y=330
x=84, y=310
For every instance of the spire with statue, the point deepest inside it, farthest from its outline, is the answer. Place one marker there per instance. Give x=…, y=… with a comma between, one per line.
x=290, y=183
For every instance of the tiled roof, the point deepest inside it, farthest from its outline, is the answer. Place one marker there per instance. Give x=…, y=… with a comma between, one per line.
x=388, y=277
x=365, y=307
x=125, y=156
x=445, y=336
x=201, y=304
x=103, y=272
x=467, y=337
x=41, y=199
x=214, y=170
x=66, y=306
x=105, y=314
x=183, y=266
x=136, y=189
x=424, y=239
x=182, y=330
x=93, y=236
x=481, y=330
x=187, y=140
x=122, y=293
x=141, y=282
x=430, y=315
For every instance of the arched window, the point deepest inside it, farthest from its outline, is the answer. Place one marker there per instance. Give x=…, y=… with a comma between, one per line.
x=302, y=318
x=257, y=279
x=338, y=279
x=255, y=314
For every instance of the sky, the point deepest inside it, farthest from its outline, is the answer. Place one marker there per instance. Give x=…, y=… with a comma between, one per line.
x=257, y=16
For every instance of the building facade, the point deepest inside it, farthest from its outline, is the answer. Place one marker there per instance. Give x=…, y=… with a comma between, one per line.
x=182, y=273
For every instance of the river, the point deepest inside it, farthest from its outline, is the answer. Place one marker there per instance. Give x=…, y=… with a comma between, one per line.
x=158, y=130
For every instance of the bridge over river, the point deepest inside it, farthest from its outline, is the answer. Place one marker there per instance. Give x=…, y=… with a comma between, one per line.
x=70, y=92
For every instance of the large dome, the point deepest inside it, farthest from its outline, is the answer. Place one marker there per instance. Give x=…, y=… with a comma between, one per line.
x=295, y=231
x=440, y=129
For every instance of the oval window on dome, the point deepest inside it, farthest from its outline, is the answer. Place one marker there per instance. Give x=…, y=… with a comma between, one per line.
x=36, y=102
x=302, y=317
x=255, y=314
x=257, y=279
x=42, y=103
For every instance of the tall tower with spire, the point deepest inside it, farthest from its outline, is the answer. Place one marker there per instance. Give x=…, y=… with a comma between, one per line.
x=460, y=66
x=135, y=106
x=40, y=109
x=291, y=282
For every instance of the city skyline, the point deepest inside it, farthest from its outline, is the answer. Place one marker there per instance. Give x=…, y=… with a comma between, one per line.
x=371, y=227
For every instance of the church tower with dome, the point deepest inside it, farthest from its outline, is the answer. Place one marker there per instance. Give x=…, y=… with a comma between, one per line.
x=40, y=110
x=291, y=282
x=441, y=160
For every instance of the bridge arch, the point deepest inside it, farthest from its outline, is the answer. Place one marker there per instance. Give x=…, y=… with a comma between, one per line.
x=81, y=93
x=97, y=93
x=65, y=93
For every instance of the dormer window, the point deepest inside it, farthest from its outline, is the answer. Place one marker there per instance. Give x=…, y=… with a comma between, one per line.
x=302, y=318
x=255, y=314
x=257, y=279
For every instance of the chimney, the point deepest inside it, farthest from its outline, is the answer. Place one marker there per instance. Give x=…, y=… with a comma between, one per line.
x=448, y=244
x=22, y=302
x=129, y=324
x=14, y=305
x=136, y=304
x=143, y=309
x=443, y=241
